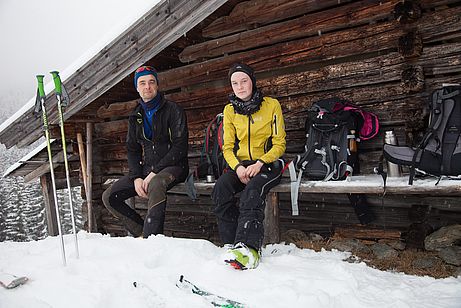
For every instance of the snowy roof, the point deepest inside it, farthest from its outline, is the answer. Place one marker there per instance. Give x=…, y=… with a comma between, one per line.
x=131, y=17
x=24, y=159
x=114, y=58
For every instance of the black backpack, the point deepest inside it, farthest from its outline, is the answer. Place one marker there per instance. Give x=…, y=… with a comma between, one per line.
x=439, y=152
x=331, y=129
x=333, y=126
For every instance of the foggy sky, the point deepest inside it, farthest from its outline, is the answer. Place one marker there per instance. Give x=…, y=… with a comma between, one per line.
x=41, y=36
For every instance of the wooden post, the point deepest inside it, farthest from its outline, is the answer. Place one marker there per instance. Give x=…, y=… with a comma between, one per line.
x=81, y=154
x=271, y=220
x=82, y=157
x=47, y=191
x=89, y=175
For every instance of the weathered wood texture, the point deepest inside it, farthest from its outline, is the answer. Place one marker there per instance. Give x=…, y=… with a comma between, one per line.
x=158, y=28
x=307, y=51
x=302, y=51
x=354, y=14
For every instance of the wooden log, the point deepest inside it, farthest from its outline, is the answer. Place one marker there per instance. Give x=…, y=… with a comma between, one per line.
x=117, y=109
x=407, y=12
x=362, y=73
x=111, y=128
x=250, y=14
x=271, y=219
x=366, y=233
x=410, y=45
x=111, y=152
x=352, y=42
x=413, y=78
x=349, y=15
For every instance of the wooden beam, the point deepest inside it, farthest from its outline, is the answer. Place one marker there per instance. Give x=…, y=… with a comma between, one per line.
x=58, y=160
x=250, y=14
x=117, y=109
x=50, y=210
x=353, y=14
x=82, y=157
x=365, y=184
x=382, y=37
x=111, y=128
x=366, y=233
x=271, y=219
x=89, y=181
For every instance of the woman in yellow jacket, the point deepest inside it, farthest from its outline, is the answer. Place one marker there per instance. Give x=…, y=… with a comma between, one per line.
x=254, y=141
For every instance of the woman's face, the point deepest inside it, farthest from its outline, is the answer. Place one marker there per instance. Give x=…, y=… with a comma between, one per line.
x=242, y=85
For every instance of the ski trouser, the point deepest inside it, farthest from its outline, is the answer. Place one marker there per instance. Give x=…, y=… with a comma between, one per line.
x=114, y=200
x=245, y=222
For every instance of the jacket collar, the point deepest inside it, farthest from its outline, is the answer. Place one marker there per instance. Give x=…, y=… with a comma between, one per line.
x=139, y=110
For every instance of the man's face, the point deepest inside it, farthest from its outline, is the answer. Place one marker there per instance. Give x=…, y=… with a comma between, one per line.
x=147, y=87
x=242, y=85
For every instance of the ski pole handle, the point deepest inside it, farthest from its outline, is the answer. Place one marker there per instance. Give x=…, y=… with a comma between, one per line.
x=41, y=89
x=57, y=82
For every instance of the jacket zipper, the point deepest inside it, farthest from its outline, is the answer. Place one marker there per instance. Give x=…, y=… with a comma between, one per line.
x=249, y=134
x=142, y=129
x=275, y=123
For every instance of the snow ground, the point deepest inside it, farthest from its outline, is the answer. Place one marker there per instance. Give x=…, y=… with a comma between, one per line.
x=103, y=276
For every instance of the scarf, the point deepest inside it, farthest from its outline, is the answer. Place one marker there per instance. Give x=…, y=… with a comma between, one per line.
x=249, y=107
x=150, y=108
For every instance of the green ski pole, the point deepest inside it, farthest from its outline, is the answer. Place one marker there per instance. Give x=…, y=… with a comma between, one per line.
x=62, y=102
x=40, y=105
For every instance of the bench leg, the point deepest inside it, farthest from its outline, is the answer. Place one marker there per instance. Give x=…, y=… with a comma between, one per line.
x=271, y=220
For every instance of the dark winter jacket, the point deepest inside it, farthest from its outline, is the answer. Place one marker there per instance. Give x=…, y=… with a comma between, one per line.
x=168, y=145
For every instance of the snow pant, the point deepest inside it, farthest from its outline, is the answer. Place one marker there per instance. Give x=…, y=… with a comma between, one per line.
x=244, y=223
x=114, y=200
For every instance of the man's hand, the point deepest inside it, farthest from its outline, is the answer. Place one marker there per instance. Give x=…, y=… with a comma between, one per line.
x=138, y=186
x=253, y=170
x=242, y=174
x=145, y=184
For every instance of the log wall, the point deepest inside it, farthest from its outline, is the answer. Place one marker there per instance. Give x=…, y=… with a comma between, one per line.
x=385, y=56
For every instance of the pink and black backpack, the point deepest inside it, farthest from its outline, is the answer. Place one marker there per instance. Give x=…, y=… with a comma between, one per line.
x=333, y=126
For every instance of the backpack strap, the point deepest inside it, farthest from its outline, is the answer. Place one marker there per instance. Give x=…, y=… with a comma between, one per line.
x=437, y=122
x=380, y=170
x=190, y=187
x=295, y=182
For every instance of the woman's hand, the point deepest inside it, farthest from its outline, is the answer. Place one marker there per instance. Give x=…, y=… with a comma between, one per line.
x=242, y=174
x=253, y=170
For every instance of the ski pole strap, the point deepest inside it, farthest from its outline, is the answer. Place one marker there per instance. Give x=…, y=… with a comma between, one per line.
x=60, y=90
x=40, y=95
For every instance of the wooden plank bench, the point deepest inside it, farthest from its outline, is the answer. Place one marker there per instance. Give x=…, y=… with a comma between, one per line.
x=363, y=184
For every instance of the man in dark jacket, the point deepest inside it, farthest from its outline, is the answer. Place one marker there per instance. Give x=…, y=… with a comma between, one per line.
x=157, y=144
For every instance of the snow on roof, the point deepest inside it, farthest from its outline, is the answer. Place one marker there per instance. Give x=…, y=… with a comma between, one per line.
x=31, y=154
x=120, y=25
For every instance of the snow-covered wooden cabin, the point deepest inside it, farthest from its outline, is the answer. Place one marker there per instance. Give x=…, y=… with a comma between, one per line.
x=386, y=56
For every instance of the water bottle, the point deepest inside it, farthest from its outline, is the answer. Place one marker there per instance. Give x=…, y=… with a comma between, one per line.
x=393, y=170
